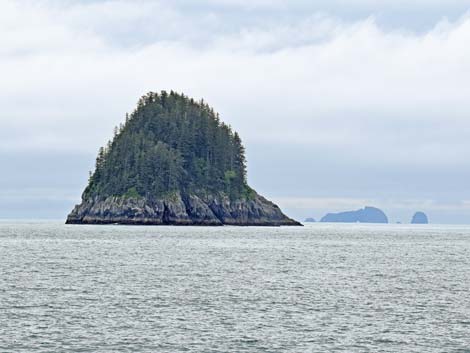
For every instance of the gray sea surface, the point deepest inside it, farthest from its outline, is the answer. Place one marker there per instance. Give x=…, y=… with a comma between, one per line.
x=320, y=288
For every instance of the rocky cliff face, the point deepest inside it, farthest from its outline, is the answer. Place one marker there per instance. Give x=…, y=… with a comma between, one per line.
x=178, y=210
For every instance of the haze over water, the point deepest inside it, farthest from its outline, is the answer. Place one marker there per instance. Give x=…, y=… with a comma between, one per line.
x=320, y=288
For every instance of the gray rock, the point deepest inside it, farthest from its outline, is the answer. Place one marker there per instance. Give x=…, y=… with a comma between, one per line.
x=177, y=210
x=199, y=212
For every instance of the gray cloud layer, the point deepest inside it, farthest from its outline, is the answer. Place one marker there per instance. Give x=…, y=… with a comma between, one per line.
x=334, y=102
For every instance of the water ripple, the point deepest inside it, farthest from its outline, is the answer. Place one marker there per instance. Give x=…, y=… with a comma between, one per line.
x=321, y=288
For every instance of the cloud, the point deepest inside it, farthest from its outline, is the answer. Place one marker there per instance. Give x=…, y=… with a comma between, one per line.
x=346, y=204
x=337, y=88
x=316, y=82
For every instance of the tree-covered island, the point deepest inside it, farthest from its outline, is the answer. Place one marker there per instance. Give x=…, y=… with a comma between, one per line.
x=173, y=162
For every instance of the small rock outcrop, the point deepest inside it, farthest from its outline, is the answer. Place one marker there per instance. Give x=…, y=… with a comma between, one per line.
x=365, y=215
x=419, y=218
x=174, y=162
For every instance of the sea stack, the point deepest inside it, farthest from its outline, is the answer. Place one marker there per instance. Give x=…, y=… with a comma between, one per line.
x=365, y=215
x=173, y=162
x=419, y=218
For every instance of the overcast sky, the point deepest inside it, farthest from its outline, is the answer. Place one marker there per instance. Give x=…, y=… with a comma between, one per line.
x=340, y=104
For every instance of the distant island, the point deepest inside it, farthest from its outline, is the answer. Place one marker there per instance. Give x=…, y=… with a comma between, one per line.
x=173, y=162
x=419, y=218
x=365, y=215
x=310, y=220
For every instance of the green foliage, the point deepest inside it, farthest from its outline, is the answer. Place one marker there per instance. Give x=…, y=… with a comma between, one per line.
x=229, y=176
x=132, y=193
x=170, y=144
x=248, y=194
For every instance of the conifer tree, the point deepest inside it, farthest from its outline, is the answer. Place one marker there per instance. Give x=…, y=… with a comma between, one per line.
x=170, y=143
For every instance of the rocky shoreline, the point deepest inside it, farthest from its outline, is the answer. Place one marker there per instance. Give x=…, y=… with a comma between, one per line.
x=190, y=210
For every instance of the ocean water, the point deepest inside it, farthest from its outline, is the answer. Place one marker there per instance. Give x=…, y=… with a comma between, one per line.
x=321, y=288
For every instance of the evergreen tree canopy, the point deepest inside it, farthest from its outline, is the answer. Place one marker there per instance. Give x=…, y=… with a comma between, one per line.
x=169, y=144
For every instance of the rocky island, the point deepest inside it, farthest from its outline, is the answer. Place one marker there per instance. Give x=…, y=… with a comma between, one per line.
x=365, y=215
x=419, y=218
x=173, y=162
